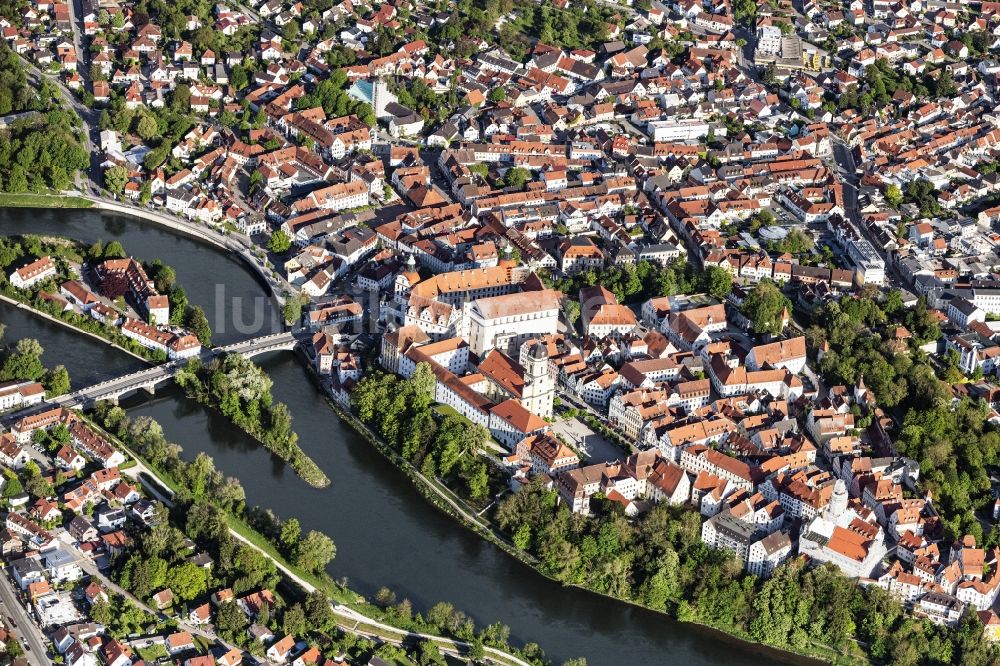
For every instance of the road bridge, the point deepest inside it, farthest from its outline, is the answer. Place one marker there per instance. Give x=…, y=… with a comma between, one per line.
x=147, y=380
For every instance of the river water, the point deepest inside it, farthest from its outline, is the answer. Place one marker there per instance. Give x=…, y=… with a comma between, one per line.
x=386, y=534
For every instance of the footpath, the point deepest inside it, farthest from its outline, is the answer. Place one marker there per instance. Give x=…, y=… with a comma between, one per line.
x=348, y=619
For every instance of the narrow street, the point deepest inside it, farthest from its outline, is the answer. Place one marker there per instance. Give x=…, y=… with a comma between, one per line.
x=88, y=118
x=89, y=568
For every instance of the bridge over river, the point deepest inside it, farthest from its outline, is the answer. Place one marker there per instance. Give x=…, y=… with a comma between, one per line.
x=147, y=380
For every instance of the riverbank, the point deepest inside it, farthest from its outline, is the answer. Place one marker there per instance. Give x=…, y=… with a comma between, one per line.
x=447, y=502
x=435, y=493
x=232, y=243
x=175, y=224
x=106, y=339
x=237, y=244
x=348, y=606
x=8, y=200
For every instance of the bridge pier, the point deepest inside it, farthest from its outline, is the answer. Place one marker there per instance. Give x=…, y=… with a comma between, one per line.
x=150, y=390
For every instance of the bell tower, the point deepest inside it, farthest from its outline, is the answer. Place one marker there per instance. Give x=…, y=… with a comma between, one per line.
x=539, y=387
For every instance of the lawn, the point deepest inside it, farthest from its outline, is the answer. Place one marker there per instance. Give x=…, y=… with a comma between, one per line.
x=445, y=410
x=8, y=200
x=152, y=652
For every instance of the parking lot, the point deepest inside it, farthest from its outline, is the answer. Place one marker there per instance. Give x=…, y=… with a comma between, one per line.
x=594, y=446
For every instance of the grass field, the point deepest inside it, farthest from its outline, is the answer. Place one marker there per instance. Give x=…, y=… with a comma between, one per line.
x=8, y=200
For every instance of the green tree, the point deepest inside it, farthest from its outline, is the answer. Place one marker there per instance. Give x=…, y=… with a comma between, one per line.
x=57, y=382
x=291, y=533
x=423, y=382
x=101, y=612
x=428, y=654
x=14, y=649
x=180, y=100
x=114, y=250
x=291, y=311
x=315, y=552
x=188, y=581
x=197, y=323
x=17, y=182
x=765, y=307
x=279, y=242
x=164, y=277
x=516, y=177
x=718, y=281
x=796, y=242
x=319, y=615
x=10, y=251
x=25, y=363
x=893, y=195
x=572, y=311
x=144, y=576
x=145, y=193
x=147, y=128
x=115, y=178
x=230, y=622
x=155, y=158
x=239, y=78
x=294, y=620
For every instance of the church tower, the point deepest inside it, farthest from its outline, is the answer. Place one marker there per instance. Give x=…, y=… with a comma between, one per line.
x=860, y=390
x=539, y=387
x=838, y=501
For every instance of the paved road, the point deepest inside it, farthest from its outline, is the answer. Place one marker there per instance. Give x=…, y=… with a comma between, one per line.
x=87, y=116
x=849, y=178
x=234, y=242
x=349, y=620
x=29, y=632
x=845, y=159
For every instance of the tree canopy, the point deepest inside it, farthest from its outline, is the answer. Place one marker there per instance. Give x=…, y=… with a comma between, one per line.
x=765, y=306
x=42, y=150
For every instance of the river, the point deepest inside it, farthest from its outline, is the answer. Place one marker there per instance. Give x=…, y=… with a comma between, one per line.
x=234, y=299
x=386, y=534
